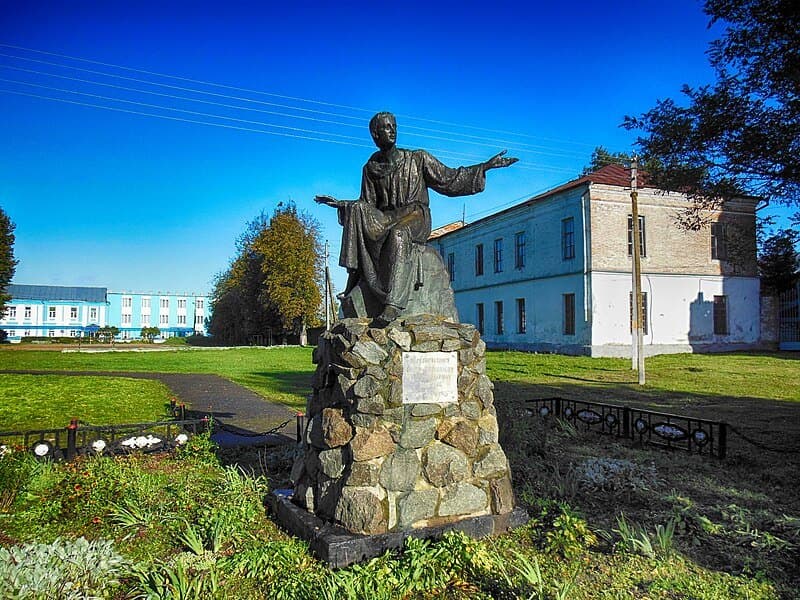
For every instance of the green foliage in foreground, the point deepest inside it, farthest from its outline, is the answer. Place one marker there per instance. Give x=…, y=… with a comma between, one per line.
x=49, y=401
x=188, y=527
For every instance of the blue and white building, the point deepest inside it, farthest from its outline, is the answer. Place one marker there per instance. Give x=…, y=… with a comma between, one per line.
x=66, y=311
x=553, y=273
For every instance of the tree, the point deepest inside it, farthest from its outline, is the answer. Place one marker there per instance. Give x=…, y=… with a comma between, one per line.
x=7, y=262
x=150, y=333
x=292, y=267
x=108, y=333
x=740, y=135
x=602, y=157
x=779, y=262
x=273, y=284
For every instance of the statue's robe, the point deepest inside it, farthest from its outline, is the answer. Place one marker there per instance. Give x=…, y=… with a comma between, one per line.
x=392, y=215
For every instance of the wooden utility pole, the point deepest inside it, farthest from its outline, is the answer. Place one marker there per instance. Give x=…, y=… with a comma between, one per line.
x=637, y=352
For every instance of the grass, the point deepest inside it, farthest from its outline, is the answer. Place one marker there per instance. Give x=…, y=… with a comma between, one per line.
x=280, y=374
x=49, y=401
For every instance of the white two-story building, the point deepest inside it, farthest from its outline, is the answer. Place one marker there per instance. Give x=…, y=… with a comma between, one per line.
x=553, y=273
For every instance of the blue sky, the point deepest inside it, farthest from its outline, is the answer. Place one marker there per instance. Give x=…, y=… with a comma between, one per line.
x=152, y=199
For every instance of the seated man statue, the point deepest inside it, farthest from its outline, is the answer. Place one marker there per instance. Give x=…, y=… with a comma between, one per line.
x=385, y=230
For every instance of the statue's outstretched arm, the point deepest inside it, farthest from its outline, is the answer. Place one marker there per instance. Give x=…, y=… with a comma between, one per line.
x=330, y=201
x=499, y=160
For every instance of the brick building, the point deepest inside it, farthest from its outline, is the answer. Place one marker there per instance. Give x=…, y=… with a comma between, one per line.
x=553, y=273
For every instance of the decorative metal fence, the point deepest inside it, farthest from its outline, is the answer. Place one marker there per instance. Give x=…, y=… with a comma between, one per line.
x=646, y=426
x=80, y=438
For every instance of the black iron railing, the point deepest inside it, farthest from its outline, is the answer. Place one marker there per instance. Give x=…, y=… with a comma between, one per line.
x=666, y=430
x=79, y=438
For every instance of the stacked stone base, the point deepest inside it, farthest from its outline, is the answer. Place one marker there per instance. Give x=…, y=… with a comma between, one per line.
x=373, y=464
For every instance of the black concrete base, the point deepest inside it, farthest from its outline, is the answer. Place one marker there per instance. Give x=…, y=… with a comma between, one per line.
x=340, y=548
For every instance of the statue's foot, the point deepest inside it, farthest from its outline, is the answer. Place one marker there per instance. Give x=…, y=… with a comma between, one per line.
x=389, y=314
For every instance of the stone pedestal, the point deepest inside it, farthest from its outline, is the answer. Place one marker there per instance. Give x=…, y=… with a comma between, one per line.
x=383, y=455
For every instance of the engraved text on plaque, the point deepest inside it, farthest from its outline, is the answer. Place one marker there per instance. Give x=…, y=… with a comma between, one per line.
x=430, y=377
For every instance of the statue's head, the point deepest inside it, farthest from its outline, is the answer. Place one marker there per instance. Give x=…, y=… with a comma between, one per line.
x=383, y=128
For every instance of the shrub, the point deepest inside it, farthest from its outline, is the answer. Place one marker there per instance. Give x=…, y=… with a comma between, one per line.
x=68, y=569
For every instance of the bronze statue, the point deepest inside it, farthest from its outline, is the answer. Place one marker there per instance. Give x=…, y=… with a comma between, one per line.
x=385, y=231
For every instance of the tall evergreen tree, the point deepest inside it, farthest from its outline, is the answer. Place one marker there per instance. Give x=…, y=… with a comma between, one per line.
x=8, y=263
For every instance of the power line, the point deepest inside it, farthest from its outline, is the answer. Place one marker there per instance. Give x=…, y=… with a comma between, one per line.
x=450, y=154
x=282, y=96
x=488, y=142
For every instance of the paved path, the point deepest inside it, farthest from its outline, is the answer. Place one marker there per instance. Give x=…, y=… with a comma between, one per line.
x=242, y=411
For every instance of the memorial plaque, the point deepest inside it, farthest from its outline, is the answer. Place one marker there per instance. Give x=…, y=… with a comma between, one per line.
x=430, y=377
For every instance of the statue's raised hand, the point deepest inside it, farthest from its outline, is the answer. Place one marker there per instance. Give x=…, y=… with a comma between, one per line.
x=329, y=201
x=500, y=160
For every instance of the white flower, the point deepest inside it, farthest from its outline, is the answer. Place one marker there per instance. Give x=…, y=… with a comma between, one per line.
x=4, y=450
x=130, y=442
x=41, y=449
x=98, y=446
x=181, y=439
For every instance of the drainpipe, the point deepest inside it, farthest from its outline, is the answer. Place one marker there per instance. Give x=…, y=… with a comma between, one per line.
x=587, y=256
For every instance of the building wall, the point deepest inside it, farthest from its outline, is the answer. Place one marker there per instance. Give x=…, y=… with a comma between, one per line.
x=173, y=314
x=542, y=281
x=183, y=315
x=40, y=323
x=680, y=275
x=669, y=248
x=680, y=313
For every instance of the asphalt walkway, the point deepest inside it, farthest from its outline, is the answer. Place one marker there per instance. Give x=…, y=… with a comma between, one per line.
x=242, y=413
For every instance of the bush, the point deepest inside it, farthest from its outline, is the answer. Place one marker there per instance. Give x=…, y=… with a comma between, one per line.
x=65, y=569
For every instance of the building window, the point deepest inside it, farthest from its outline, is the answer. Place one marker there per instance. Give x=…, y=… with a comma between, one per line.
x=521, y=319
x=51, y=312
x=198, y=319
x=93, y=314
x=11, y=312
x=181, y=319
x=73, y=312
x=498, y=313
x=498, y=255
x=720, y=315
x=126, y=302
x=451, y=265
x=519, y=250
x=126, y=319
x=163, y=319
x=164, y=302
x=51, y=333
x=27, y=312
x=479, y=317
x=181, y=302
x=569, y=314
x=643, y=311
x=719, y=241
x=145, y=320
x=199, y=303
x=479, y=259
x=642, y=244
x=145, y=302
x=568, y=238
x=12, y=333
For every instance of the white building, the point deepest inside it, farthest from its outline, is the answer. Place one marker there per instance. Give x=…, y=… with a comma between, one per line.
x=553, y=274
x=56, y=311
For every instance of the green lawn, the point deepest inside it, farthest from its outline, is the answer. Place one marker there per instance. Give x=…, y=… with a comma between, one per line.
x=281, y=374
x=49, y=401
